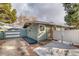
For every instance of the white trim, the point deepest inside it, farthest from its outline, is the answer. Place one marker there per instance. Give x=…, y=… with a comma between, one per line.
x=42, y=32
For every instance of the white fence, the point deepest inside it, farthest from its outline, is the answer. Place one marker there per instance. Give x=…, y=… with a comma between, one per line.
x=67, y=35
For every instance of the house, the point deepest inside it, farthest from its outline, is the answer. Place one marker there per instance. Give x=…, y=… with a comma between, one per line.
x=42, y=30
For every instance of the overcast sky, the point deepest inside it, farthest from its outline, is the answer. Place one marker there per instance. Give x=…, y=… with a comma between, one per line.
x=53, y=12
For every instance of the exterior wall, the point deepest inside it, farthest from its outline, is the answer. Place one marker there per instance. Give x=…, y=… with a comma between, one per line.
x=32, y=31
x=23, y=32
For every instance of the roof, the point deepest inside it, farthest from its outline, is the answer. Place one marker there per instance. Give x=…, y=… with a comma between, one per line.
x=52, y=23
x=48, y=22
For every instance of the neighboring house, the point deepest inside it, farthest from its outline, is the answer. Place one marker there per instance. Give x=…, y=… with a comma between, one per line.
x=41, y=30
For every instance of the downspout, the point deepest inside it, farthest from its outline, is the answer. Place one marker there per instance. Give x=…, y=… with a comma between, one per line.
x=46, y=33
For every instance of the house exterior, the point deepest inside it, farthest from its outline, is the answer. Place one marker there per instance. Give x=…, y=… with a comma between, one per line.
x=43, y=30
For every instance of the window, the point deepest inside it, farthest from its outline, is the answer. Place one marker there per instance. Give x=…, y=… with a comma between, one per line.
x=42, y=28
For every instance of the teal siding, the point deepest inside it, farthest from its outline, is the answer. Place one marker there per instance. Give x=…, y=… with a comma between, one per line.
x=32, y=31
x=23, y=32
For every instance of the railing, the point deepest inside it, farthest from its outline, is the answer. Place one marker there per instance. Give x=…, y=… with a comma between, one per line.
x=10, y=34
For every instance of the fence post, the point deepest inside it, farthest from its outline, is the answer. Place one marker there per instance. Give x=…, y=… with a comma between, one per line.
x=2, y=35
x=61, y=36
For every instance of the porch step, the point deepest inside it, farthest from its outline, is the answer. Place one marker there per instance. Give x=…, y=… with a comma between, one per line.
x=30, y=40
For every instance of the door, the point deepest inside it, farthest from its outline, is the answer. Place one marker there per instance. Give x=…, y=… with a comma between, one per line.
x=50, y=32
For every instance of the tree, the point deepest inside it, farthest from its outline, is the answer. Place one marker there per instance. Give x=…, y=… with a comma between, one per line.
x=72, y=16
x=7, y=14
x=25, y=20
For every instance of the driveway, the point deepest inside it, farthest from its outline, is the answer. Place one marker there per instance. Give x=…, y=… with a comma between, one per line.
x=13, y=47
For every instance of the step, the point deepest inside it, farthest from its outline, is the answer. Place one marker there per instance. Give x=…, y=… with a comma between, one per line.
x=10, y=33
x=11, y=36
x=30, y=40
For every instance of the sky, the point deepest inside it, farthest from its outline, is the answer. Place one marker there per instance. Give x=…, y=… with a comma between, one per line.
x=52, y=12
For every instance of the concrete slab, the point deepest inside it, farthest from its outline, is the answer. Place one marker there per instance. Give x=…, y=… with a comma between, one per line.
x=56, y=49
